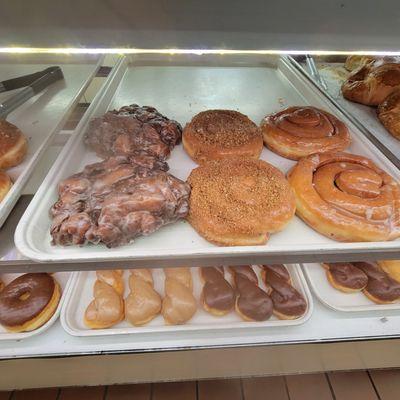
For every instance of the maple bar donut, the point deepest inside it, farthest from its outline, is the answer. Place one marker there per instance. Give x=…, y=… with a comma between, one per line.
x=13, y=145
x=239, y=202
x=346, y=197
x=28, y=302
x=381, y=288
x=344, y=276
x=300, y=131
x=218, y=297
x=216, y=134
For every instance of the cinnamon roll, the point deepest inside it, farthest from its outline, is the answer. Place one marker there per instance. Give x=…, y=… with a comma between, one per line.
x=300, y=131
x=346, y=197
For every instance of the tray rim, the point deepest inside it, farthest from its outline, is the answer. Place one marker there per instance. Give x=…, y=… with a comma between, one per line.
x=73, y=289
x=24, y=246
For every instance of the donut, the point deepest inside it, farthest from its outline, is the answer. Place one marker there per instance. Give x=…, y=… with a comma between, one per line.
x=181, y=274
x=5, y=184
x=287, y=302
x=381, y=288
x=28, y=302
x=218, y=296
x=1, y=285
x=346, y=197
x=13, y=145
x=113, y=278
x=252, y=303
x=346, y=277
x=392, y=268
x=300, y=131
x=239, y=202
x=216, y=134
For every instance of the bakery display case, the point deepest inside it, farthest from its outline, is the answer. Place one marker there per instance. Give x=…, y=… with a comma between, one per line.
x=216, y=199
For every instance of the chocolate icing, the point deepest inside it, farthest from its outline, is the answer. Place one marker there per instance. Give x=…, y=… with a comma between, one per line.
x=252, y=301
x=218, y=294
x=347, y=275
x=280, y=270
x=13, y=310
x=380, y=284
x=286, y=299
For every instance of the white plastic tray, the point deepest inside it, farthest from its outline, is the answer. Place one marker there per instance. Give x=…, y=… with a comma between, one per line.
x=337, y=300
x=64, y=279
x=81, y=294
x=43, y=115
x=334, y=75
x=181, y=92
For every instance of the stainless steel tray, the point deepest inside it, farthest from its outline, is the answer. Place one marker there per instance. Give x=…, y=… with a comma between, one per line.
x=180, y=92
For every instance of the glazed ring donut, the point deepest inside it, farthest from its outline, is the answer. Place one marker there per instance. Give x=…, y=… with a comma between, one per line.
x=300, y=131
x=239, y=202
x=216, y=134
x=13, y=145
x=346, y=197
x=5, y=184
x=28, y=302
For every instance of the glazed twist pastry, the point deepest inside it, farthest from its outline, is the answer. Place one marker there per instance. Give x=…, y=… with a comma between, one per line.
x=389, y=113
x=113, y=278
x=218, y=296
x=287, y=302
x=346, y=277
x=107, y=307
x=300, y=131
x=381, y=288
x=143, y=303
x=179, y=304
x=372, y=83
x=252, y=303
x=346, y=197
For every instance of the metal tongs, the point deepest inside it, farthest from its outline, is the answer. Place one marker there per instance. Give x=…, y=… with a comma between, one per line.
x=315, y=73
x=34, y=83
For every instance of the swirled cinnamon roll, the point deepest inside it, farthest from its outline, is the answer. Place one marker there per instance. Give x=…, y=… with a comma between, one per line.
x=346, y=197
x=300, y=131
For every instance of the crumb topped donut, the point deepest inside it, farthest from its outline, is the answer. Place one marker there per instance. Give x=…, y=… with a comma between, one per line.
x=239, y=202
x=28, y=302
x=13, y=145
x=216, y=134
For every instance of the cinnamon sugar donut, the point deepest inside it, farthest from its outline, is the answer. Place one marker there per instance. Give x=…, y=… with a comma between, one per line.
x=13, y=145
x=300, y=131
x=239, y=202
x=216, y=134
x=346, y=197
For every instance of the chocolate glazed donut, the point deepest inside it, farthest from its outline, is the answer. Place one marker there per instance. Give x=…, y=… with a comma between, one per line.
x=28, y=302
x=252, y=303
x=218, y=296
x=381, y=288
x=288, y=303
x=346, y=277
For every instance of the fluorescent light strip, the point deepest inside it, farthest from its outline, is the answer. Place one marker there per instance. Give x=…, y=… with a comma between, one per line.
x=74, y=50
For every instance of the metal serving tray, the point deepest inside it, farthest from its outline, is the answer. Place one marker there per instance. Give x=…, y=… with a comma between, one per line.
x=180, y=92
x=80, y=295
x=43, y=115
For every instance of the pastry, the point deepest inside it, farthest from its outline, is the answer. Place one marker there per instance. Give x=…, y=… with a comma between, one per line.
x=113, y=278
x=114, y=201
x=13, y=145
x=356, y=61
x=5, y=184
x=392, y=268
x=28, y=302
x=133, y=131
x=372, y=83
x=1, y=285
x=218, y=296
x=381, y=288
x=216, y=134
x=281, y=271
x=237, y=202
x=107, y=307
x=389, y=113
x=346, y=277
x=144, y=274
x=181, y=274
x=179, y=304
x=346, y=197
x=252, y=303
x=143, y=303
x=287, y=302
x=300, y=131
